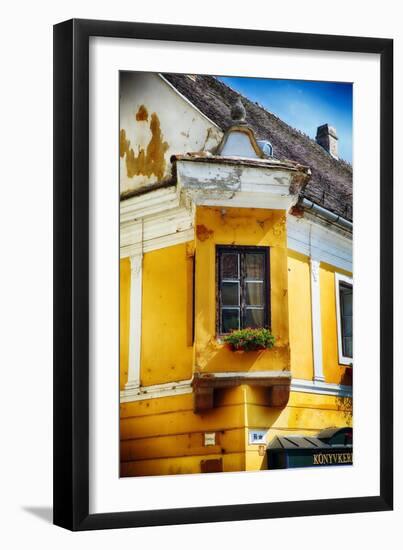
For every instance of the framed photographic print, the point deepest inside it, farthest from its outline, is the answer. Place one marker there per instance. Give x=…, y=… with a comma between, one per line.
x=220, y=329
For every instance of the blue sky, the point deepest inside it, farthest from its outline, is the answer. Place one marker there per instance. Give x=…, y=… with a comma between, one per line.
x=303, y=104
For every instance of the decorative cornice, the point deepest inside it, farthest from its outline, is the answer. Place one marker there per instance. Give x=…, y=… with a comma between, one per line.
x=318, y=387
x=235, y=182
x=155, y=201
x=170, y=389
x=167, y=218
x=311, y=238
x=181, y=387
x=154, y=223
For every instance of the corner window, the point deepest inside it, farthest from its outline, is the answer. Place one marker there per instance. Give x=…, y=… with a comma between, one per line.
x=242, y=288
x=344, y=304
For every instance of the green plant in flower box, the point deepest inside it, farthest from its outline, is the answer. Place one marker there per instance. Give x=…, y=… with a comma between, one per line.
x=250, y=339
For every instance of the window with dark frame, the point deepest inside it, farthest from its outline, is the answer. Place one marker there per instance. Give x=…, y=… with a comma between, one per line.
x=346, y=318
x=242, y=288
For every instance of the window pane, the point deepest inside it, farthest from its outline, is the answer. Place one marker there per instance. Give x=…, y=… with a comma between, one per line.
x=346, y=307
x=254, y=294
x=230, y=294
x=346, y=295
x=229, y=266
x=230, y=319
x=254, y=318
x=348, y=347
x=254, y=266
x=241, y=288
x=348, y=326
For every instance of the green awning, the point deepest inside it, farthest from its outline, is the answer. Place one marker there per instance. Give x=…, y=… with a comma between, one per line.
x=330, y=447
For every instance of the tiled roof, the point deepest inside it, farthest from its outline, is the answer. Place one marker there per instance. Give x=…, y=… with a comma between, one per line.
x=331, y=182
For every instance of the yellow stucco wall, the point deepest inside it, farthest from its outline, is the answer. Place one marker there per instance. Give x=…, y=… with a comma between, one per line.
x=163, y=435
x=299, y=300
x=166, y=348
x=124, y=319
x=244, y=227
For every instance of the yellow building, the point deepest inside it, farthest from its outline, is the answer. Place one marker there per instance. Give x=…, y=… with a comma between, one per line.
x=219, y=232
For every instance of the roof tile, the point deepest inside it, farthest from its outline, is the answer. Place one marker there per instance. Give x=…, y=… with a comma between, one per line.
x=330, y=185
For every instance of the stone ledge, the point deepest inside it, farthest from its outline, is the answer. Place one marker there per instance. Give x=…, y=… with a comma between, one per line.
x=278, y=384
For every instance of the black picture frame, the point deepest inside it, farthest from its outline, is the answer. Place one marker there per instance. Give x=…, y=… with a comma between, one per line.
x=71, y=274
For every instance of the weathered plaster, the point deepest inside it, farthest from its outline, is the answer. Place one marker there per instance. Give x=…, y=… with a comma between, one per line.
x=156, y=122
x=150, y=160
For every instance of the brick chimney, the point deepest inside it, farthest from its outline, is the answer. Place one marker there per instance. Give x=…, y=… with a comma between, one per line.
x=327, y=138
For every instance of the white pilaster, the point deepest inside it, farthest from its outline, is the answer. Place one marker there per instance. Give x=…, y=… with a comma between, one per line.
x=136, y=266
x=316, y=322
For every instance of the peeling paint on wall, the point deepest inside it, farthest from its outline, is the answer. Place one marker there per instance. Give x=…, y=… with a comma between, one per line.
x=213, y=137
x=280, y=227
x=150, y=160
x=203, y=233
x=142, y=113
x=145, y=139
